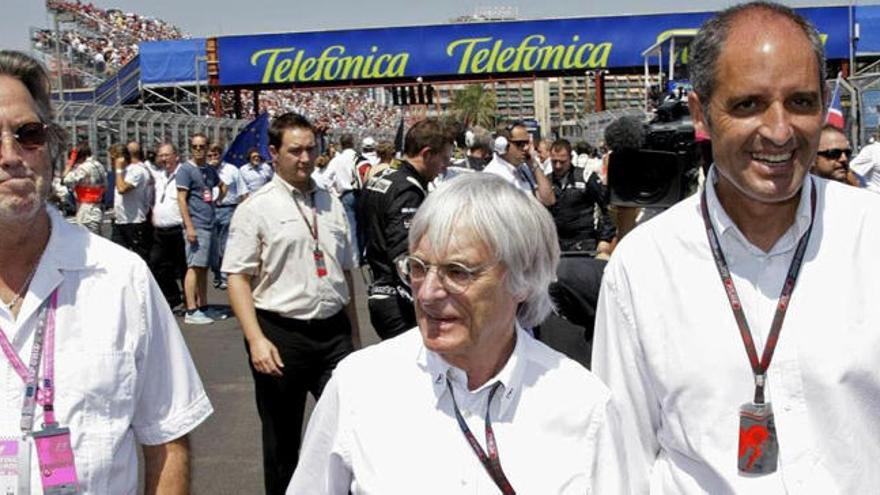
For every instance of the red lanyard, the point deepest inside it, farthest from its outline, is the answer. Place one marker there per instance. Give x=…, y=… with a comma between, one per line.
x=492, y=462
x=759, y=368
x=34, y=393
x=313, y=226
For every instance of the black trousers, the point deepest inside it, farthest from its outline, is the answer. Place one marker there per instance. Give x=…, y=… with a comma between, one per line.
x=391, y=315
x=310, y=351
x=136, y=237
x=168, y=262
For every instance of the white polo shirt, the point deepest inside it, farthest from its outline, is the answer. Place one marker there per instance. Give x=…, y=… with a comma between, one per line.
x=123, y=374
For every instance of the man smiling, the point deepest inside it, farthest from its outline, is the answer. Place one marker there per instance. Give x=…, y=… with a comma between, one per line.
x=747, y=264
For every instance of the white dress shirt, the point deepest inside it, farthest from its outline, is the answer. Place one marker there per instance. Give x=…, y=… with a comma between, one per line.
x=867, y=165
x=166, y=209
x=341, y=170
x=385, y=425
x=123, y=374
x=667, y=344
x=518, y=176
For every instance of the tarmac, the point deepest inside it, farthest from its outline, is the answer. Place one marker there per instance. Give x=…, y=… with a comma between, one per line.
x=226, y=449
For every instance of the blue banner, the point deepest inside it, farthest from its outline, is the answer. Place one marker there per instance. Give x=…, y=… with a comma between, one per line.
x=474, y=50
x=254, y=135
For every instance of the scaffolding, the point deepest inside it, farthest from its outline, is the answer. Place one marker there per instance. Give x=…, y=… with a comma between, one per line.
x=102, y=126
x=591, y=127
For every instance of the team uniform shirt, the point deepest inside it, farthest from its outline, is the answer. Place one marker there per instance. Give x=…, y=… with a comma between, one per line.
x=578, y=195
x=388, y=203
x=256, y=177
x=199, y=183
x=667, y=344
x=90, y=173
x=555, y=426
x=123, y=374
x=270, y=240
x=867, y=165
x=133, y=206
x=520, y=176
x=166, y=209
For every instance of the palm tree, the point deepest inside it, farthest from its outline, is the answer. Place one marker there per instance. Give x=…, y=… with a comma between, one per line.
x=475, y=105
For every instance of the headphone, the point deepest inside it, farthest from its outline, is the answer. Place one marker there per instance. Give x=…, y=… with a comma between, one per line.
x=502, y=141
x=501, y=145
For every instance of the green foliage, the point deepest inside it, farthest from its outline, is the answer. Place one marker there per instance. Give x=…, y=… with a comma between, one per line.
x=475, y=105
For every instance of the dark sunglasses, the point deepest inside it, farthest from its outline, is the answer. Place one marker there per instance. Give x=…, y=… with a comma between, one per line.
x=520, y=144
x=834, y=153
x=199, y=146
x=32, y=134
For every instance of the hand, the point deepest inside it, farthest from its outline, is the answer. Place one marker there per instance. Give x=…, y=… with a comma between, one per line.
x=265, y=357
x=191, y=235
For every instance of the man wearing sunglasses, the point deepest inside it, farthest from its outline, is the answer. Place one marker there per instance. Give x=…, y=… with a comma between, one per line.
x=196, y=181
x=83, y=324
x=516, y=162
x=832, y=159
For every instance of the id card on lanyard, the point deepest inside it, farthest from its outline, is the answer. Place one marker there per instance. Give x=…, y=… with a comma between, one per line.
x=758, y=451
x=54, y=450
x=317, y=253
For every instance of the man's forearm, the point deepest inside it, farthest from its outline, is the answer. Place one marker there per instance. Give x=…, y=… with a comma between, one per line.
x=166, y=468
x=242, y=301
x=544, y=188
x=184, y=210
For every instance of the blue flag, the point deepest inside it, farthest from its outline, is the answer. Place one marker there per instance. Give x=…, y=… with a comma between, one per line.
x=254, y=135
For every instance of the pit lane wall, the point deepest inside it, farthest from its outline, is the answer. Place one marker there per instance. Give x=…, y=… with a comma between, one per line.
x=468, y=51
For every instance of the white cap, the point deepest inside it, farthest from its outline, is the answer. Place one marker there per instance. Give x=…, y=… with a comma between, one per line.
x=368, y=142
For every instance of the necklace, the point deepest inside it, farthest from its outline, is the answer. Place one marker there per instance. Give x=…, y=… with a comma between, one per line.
x=18, y=296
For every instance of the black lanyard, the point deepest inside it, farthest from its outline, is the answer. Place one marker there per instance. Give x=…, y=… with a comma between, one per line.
x=759, y=368
x=492, y=462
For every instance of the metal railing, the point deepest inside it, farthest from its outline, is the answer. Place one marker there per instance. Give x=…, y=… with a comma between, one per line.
x=591, y=127
x=103, y=126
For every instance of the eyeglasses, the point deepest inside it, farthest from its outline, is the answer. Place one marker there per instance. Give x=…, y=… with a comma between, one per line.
x=256, y=157
x=31, y=134
x=834, y=153
x=455, y=277
x=521, y=143
x=199, y=146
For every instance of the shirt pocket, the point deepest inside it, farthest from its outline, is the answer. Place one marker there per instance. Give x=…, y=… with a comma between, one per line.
x=94, y=397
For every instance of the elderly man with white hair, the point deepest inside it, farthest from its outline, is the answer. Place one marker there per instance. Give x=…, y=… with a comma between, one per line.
x=409, y=415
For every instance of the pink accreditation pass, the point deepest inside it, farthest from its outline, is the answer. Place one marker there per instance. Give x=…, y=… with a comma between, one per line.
x=55, y=455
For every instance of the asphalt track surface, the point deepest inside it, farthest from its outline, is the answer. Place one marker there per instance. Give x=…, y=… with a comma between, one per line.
x=226, y=451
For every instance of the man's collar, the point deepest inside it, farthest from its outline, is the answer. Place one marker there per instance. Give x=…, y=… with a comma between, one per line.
x=291, y=189
x=510, y=376
x=724, y=224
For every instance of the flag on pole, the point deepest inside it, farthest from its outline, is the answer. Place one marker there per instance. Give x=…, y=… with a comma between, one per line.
x=399, y=136
x=835, y=110
x=254, y=135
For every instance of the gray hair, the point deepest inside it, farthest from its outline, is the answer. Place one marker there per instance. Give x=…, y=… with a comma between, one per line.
x=517, y=230
x=34, y=77
x=706, y=47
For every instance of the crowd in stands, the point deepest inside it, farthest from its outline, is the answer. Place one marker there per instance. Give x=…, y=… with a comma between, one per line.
x=329, y=109
x=107, y=39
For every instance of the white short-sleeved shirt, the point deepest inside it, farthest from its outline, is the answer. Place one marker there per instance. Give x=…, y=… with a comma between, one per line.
x=385, y=424
x=667, y=344
x=133, y=206
x=867, y=165
x=123, y=374
x=236, y=187
x=269, y=239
